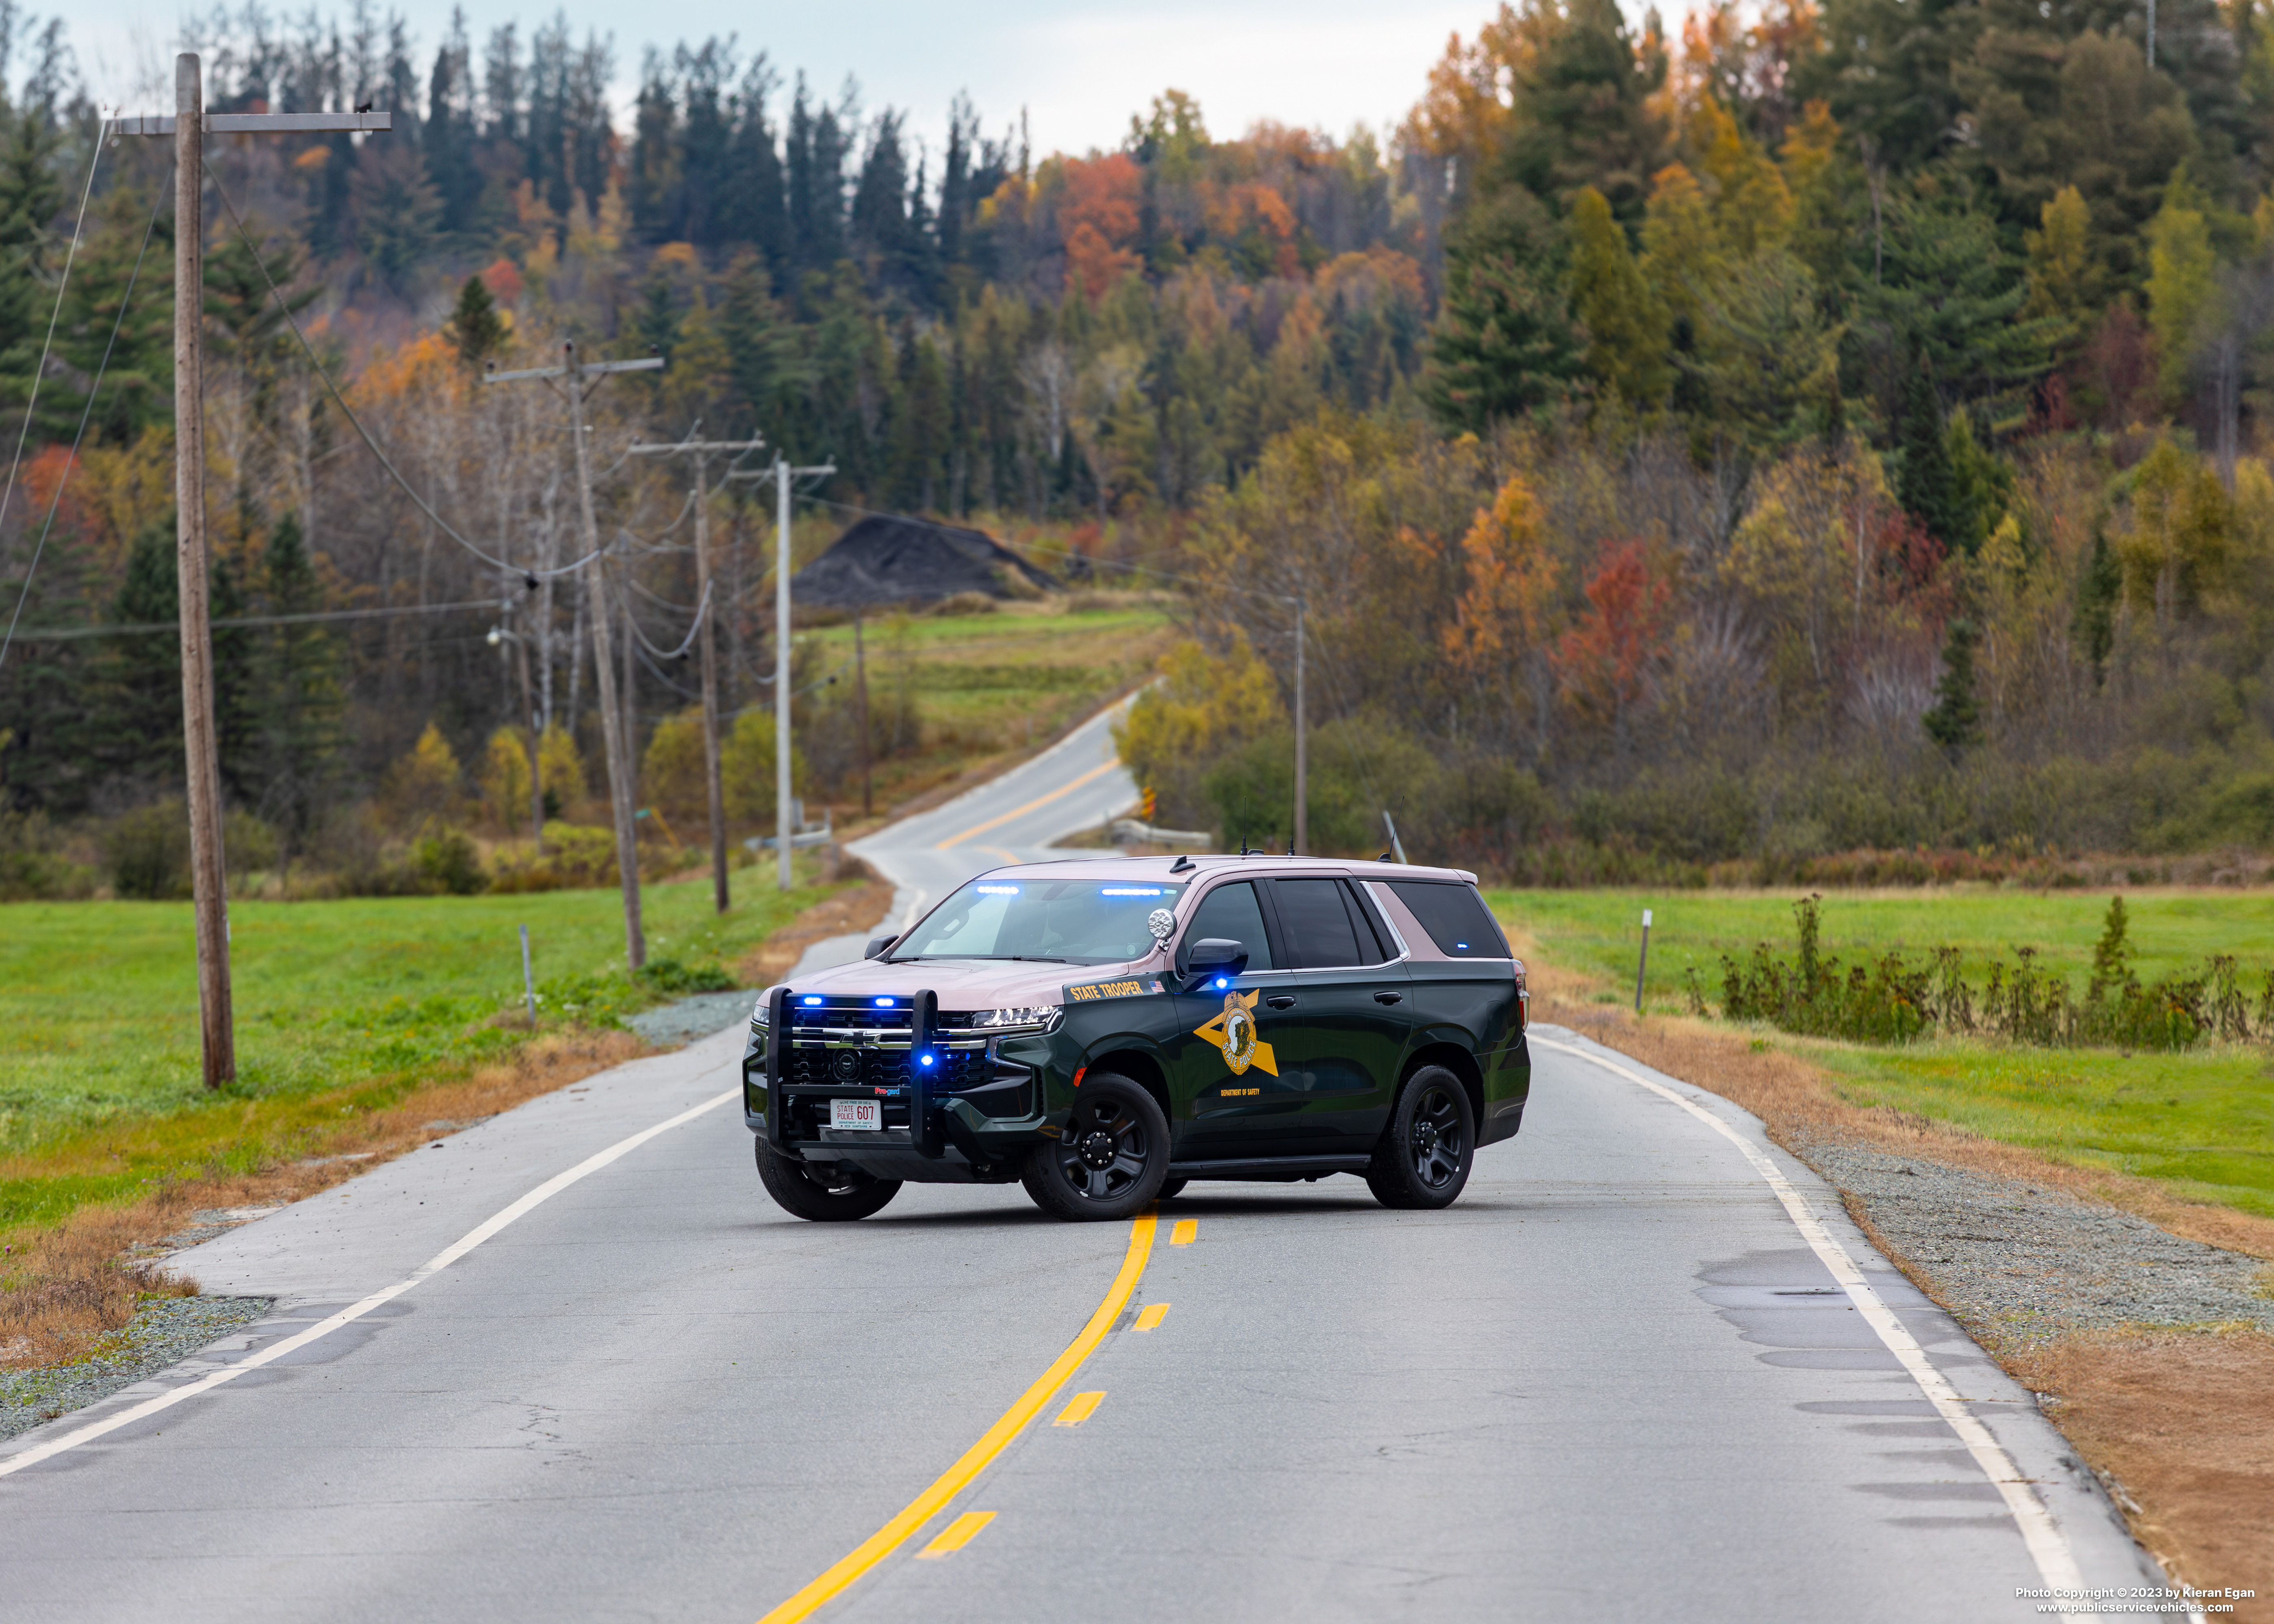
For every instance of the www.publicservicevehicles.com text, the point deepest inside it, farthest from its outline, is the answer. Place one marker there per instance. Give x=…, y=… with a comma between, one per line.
x=2137, y=1598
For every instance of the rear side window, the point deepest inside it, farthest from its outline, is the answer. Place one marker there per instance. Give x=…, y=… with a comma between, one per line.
x=1230, y=913
x=1316, y=921
x=1454, y=916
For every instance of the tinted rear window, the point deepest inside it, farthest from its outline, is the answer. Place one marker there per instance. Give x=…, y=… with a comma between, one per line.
x=1316, y=922
x=1454, y=916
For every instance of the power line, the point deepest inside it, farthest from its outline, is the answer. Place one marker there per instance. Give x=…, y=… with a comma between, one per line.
x=47, y=346
x=66, y=633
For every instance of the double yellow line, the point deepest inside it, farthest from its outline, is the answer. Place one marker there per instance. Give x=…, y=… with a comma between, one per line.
x=975, y=1460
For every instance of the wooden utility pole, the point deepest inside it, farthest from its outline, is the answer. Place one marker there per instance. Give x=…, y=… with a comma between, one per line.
x=188, y=125
x=702, y=451
x=781, y=473
x=568, y=379
x=1302, y=841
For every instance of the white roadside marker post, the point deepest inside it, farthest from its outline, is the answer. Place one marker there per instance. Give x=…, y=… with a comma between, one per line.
x=1642, y=965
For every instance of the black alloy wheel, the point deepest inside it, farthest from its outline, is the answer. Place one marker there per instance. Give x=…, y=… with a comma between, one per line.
x=1424, y=1158
x=1111, y=1159
x=837, y=1193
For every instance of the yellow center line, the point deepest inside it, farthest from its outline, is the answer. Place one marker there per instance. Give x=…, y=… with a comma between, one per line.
x=1084, y=1406
x=1151, y=1315
x=1187, y=1231
x=958, y=1534
x=1098, y=771
x=957, y=1478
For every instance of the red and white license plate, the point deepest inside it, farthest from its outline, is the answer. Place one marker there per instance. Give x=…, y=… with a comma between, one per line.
x=865, y=1114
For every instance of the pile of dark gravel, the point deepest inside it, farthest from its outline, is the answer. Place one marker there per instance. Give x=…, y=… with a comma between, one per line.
x=164, y=1332
x=2012, y=1258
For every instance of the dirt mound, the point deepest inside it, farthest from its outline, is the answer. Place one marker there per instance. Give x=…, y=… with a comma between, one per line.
x=897, y=560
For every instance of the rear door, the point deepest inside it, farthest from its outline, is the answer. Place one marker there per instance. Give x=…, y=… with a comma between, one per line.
x=1347, y=1001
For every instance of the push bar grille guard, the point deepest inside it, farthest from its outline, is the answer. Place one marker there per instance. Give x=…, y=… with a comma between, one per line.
x=905, y=1049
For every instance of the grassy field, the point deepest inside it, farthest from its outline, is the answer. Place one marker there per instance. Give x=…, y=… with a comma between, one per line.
x=349, y=1003
x=2200, y=1123
x=988, y=684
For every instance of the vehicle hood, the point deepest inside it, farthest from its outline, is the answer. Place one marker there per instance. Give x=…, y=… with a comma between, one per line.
x=972, y=984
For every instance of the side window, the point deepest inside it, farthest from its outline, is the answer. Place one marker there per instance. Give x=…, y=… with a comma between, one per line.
x=1231, y=912
x=1374, y=943
x=1316, y=922
x=1454, y=916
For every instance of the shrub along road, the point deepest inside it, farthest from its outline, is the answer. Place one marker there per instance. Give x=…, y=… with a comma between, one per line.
x=1618, y=1378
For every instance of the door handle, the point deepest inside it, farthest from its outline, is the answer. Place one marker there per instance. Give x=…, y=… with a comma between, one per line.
x=1283, y=1001
x=1388, y=997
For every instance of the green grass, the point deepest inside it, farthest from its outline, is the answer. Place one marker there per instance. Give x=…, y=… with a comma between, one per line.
x=2200, y=1123
x=1599, y=931
x=99, y=1014
x=990, y=682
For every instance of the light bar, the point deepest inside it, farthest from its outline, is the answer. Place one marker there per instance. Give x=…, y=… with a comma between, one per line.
x=1128, y=891
x=810, y=1003
x=997, y=890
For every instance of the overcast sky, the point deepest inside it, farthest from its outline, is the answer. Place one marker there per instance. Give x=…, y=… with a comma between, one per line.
x=1080, y=67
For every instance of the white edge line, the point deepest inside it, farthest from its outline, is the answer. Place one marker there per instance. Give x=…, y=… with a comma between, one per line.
x=440, y=1262
x=2048, y=1546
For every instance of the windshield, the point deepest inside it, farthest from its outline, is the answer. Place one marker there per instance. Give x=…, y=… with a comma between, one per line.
x=1056, y=922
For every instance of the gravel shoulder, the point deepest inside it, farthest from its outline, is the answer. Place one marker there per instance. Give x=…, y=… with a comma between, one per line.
x=2017, y=1262
x=165, y=1331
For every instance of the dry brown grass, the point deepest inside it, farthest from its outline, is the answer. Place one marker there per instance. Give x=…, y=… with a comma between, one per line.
x=2183, y=1421
x=71, y=1286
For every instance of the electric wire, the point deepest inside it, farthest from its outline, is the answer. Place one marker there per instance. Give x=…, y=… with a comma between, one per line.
x=79, y=436
x=31, y=403
x=686, y=642
x=356, y=422
x=66, y=633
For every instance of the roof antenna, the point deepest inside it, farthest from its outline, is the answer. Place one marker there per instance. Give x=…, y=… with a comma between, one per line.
x=1183, y=865
x=1383, y=858
x=1290, y=846
x=1243, y=846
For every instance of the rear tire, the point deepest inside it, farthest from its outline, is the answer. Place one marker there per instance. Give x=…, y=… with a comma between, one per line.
x=1424, y=1159
x=838, y=1196
x=1112, y=1159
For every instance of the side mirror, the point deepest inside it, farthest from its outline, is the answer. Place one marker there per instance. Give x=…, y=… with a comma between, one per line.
x=1213, y=958
x=878, y=946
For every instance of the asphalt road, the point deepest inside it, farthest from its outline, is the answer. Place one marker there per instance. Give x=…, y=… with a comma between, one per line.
x=1077, y=783
x=1614, y=1382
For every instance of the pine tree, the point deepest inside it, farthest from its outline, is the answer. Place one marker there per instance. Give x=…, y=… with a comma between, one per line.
x=475, y=329
x=1925, y=484
x=297, y=701
x=2093, y=625
x=1503, y=344
x=1955, y=720
x=1625, y=323
x=1590, y=117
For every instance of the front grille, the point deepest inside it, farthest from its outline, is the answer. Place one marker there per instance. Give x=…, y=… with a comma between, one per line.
x=810, y=1065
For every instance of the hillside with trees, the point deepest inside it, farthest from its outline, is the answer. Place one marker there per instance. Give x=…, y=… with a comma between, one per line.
x=1834, y=431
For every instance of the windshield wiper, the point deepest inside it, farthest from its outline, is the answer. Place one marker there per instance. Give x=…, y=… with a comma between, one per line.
x=989, y=957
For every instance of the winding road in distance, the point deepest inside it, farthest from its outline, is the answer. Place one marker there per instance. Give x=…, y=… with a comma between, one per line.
x=573, y=1364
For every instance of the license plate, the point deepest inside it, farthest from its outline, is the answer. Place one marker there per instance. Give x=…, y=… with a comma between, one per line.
x=866, y=1115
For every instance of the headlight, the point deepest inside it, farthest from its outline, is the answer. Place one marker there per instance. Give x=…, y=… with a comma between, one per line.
x=761, y=1017
x=1033, y=1017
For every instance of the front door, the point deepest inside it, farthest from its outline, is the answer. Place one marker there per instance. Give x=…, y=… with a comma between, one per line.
x=1348, y=1013
x=1225, y=1085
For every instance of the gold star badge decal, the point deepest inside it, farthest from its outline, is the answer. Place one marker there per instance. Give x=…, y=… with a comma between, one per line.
x=1233, y=1031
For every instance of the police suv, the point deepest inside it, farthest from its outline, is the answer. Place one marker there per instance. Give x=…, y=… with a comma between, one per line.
x=1106, y=1030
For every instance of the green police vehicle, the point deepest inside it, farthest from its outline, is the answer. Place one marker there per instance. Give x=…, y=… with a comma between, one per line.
x=1107, y=1030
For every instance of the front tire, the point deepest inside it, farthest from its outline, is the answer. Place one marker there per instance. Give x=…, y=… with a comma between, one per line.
x=1424, y=1159
x=838, y=1196
x=1170, y=1191
x=1112, y=1159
